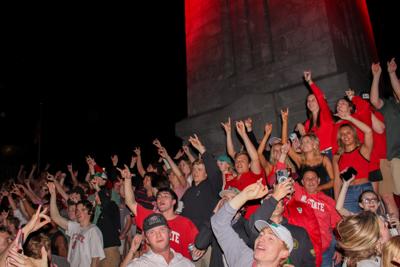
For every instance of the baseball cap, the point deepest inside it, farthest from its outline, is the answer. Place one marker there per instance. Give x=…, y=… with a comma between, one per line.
x=272, y=141
x=102, y=175
x=230, y=189
x=154, y=220
x=280, y=231
x=225, y=158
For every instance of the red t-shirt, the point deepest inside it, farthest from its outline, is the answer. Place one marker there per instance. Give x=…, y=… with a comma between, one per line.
x=241, y=182
x=357, y=161
x=183, y=230
x=379, y=150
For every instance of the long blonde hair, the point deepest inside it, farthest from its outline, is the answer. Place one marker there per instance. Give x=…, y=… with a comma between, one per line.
x=359, y=237
x=391, y=250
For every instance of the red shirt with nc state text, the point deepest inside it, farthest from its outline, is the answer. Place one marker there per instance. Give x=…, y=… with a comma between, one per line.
x=183, y=230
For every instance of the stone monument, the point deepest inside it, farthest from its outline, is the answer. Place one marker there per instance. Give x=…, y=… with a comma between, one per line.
x=245, y=58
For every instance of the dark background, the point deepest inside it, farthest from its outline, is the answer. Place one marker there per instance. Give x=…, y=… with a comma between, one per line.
x=73, y=66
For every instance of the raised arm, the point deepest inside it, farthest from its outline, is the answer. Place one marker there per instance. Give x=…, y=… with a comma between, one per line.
x=72, y=174
x=374, y=93
x=249, y=129
x=54, y=213
x=337, y=182
x=188, y=153
x=264, y=162
x=394, y=80
x=229, y=142
x=164, y=154
x=129, y=195
x=342, y=196
x=325, y=112
x=366, y=147
x=59, y=187
x=139, y=163
x=292, y=154
x=255, y=165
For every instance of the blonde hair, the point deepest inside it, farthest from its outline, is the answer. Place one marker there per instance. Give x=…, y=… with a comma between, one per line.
x=341, y=146
x=359, y=237
x=390, y=250
x=315, y=141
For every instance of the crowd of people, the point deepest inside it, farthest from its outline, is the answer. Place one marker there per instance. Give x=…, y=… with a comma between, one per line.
x=322, y=195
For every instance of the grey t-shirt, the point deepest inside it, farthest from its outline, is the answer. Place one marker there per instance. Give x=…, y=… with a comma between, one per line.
x=391, y=111
x=85, y=244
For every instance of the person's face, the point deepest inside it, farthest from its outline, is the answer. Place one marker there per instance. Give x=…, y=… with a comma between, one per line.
x=311, y=182
x=370, y=202
x=158, y=238
x=346, y=135
x=268, y=247
x=242, y=164
x=147, y=182
x=43, y=191
x=5, y=240
x=312, y=103
x=165, y=201
x=307, y=145
x=184, y=167
x=383, y=231
x=199, y=173
x=82, y=214
x=223, y=166
x=72, y=212
x=276, y=151
x=343, y=107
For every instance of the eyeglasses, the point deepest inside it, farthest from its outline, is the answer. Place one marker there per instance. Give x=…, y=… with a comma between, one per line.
x=370, y=200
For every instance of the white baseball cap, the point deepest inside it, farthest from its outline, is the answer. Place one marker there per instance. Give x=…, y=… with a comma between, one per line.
x=280, y=231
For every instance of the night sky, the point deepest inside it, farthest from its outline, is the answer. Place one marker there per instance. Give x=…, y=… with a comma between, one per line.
x=55, y=59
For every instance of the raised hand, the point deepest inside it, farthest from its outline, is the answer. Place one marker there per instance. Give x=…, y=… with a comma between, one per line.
x=285, y=114
x=162, y=152
x=249, y=124
x=52, y=188
x=227, y=126
x=307, y=76
x=125, y=173
x=137, y=151
x=350, y=93
x=195, y=141
x=133, y=161
x=376, y=69
x=179, y=154
x=301, y=129
x=391, y=66
x=283, y=189
x=343, y=116
x=240, y=128
x=136, y=241
x=69, y=167
x=38, y=220
x=255, y=191
x=157, y=143
x=268, y=128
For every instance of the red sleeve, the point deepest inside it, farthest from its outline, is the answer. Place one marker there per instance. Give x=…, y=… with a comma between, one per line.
x=325, y=112
x=363, y=110
x=141, y=214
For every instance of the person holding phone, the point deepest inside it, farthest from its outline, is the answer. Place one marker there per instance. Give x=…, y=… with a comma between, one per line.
x=352, y=154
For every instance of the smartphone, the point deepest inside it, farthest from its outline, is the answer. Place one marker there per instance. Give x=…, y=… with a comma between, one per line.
x=348, y=174
x=282, y=175
x=292, y=137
